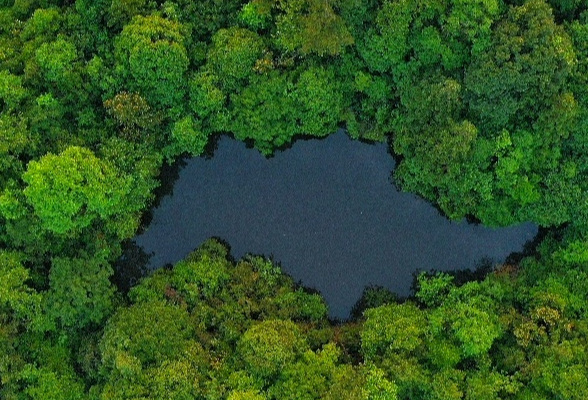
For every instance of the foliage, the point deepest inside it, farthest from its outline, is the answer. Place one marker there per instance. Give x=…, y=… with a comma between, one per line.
x=18, y=301
x=268, y=347
x=70, y=190
x=485, y=107
x=80, y=292
x=311, y=26
x=152, y=59
x=233, y=55
x=264, y=112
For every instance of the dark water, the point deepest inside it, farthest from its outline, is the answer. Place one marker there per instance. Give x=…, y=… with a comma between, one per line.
x=326, y=210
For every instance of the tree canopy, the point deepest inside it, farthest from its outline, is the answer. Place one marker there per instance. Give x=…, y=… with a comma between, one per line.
x=483, y=103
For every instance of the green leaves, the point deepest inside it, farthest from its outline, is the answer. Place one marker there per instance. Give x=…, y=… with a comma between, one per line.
x=321, y=101
x=433, y=290
x=311, y=27
x=486, y=107
x=233, y=55
x=56, y=60
x=187, y=136
x=265, y=112
x=80, y=292
x=71, y=190
x=152, y=59
x=17, y=299
x=143, y=335
x=202, y=278
x=270, y=346
x=521, y=72
x=275, y=107
x=45, y=384
x=391, y=328
x=11, y=90
x=377, y=387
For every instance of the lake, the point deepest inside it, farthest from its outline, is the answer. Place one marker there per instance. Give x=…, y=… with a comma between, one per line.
x=327, y=210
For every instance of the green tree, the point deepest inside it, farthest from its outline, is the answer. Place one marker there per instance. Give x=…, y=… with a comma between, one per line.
x=432, y=291
x=321, y=101
x=377, y=386
x=308, y=379
x=233, y=55
x=12, y=92
x=187, y=136
x=57, y=62
x=69, y=191
x=201, y=278
x=44, y=23
x=268, y=347
x=16, y=142
x=265, y=111
x=80, y=293
x=151, y=59
x=122, y=11
x=470, y=317
x=521, y=72
x=311, y=27
x=18, y=301
x=143, y=335
x=133, y=114
x=208, y=16
x=392, y=328
x=43, y=383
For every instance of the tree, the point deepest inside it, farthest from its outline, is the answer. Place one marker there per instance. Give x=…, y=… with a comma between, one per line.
x=233, y=55
x=432, y=291
x=413, y=37
x=245, y=395
x=45, y=384
x=44, y=23
x=377, y=386
x=144, y=335
x=122, y=11
x=16, y=143
x=202, y=278
x=182, y=379
x=265, y=111
x=444, y=160
x=133, y=114
x=471, y=319
x=522, y=72
x=70, y=191
x=268, y=347
x=208, y=16
x=80, y=293
x=321, y=101
x=311, y=27
x=18, y=301
x=12, y=92
x=187, y=136
x=392, y=328
x=299, y=305
x=152, y=60
x=57, y=61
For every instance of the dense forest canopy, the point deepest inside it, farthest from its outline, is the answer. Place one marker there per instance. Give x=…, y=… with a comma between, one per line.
x=484, y=104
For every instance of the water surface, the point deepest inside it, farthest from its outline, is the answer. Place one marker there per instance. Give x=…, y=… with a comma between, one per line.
x=326, y=210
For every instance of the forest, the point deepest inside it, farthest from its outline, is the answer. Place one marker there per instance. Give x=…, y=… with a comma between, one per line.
x=484, y=104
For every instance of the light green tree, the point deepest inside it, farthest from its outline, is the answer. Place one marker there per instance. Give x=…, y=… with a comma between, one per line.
x=392, y=328
x=71, y=190
x=268, y=347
